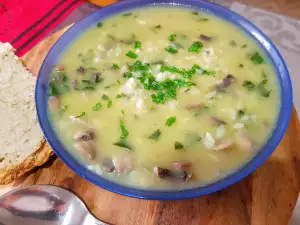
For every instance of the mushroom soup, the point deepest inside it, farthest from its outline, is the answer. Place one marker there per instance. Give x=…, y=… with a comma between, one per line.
x=163, y=98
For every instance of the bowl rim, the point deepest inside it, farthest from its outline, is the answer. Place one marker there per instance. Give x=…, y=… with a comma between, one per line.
x=233, y=18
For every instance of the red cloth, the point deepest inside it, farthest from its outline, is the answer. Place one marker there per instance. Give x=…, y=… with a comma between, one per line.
x=24, y=22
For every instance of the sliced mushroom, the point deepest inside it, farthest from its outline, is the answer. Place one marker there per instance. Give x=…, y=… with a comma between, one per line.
x=176, y=175
x=80, y=70
x=74, y=84
x=161, y=173
x=85, y=135
x=54, y=103
x=87, y=148
x=205, y=38
x=95, y=78
x=108, y=165
x=224, y=145
x=226, y=82
x=195, y=106
x=216, y=121
x=244, y=141
x=182, y=165
x=123, y=163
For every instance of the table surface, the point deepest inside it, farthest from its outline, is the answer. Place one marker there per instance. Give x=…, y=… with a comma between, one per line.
x=267, y=196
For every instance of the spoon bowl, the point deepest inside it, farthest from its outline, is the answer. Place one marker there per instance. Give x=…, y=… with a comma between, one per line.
x=44, y=205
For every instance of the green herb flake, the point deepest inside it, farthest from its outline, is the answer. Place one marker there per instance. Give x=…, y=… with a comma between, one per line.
x=124, y=131
x=156, y=135
x=123, y=144
x=131, y=55
x=248, y=84
x=240, y=113
x=157, y=26
x=159, y=98
x=105, y=97
x=172, y=37
x=171, y=50
x=256, y=58
x=127, y=75
x=196, y=47
x=99, y=25
x=137, y=44
x=203, y=19
x=115, y=67
x=122, y=95
x=244, y=46
x=195, y=13
x=262, y=90
x=127, y=14
x=241, y=65
x=81, y=115
x=97, y=106
x=232, y=43
x=109, y=103
x=170, y=121
x=178, y=145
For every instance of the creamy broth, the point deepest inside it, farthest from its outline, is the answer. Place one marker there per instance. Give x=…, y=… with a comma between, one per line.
x=160, y=86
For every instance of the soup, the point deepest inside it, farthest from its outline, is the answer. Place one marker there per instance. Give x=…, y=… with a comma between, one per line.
x=163, y=98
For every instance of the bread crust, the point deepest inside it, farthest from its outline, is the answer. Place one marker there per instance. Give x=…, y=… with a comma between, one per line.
x=37, y=158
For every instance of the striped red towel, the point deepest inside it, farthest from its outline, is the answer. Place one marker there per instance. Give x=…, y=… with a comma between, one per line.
x=24, y=23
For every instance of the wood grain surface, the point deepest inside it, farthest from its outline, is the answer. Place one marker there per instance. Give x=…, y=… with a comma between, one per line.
x=267, y=196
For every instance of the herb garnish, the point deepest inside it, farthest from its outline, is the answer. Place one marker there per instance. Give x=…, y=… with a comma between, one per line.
x=97, y=106
x=123, y=144
x=155, y=136
x=124, y=131
x=178, y=145
x=122, y=95
x=115, y=66
x=170, y=121
x=82, y=114
x=248, y=84
x=137, y=44
x=127, y=14
x=172, y=37
x=262, y=89
x=196, y=47
x=99, y=25
x=131, y=55
x=105, y=97
x=256, y=58
x=171, y=50
x=109, y=103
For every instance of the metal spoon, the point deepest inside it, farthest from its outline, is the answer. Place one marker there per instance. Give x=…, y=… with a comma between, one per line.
x=44, y=205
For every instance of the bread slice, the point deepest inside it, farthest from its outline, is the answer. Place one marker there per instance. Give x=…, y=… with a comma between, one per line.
x=22, y=146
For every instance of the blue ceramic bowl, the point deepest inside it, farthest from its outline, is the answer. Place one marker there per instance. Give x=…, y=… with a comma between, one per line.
x=223, y=13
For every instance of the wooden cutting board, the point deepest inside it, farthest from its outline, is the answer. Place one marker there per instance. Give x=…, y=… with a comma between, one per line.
x=267, y=196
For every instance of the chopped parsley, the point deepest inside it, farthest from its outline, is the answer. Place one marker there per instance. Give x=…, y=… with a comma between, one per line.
x=240, y=113
x=170, y=121
x=131, y=55
x=139, y=66
x=122, y=95
x=195, y=13
x=256, y=58
x=196, y=47
x=244, y=46
x=99, y=25
x=124, y=131
x=105, y=97
x=172, y=37
x=248, y=84
x=159, y=98
x=97, y=106
x=123, y=144
x=115, y=66
x=127, y=75
x=171, y=50
x=262, y=89
x=203, y=19
x=137, y=44
x=178, y=145
x=81, y=115
x=155, y=136
x=232, y=43
x=109, y=103
x=157, y=26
